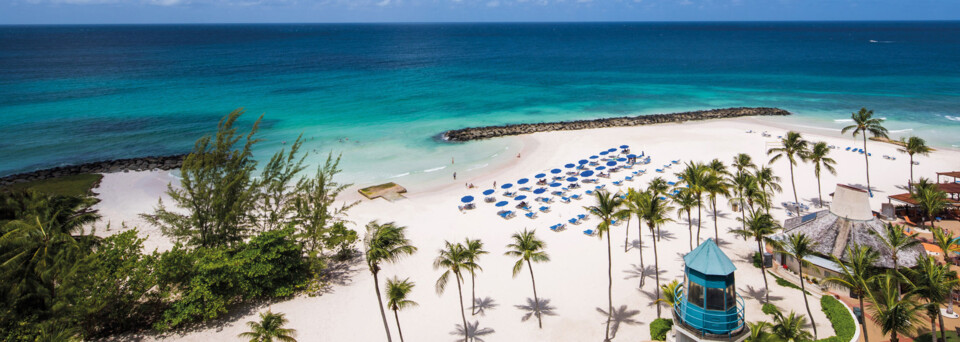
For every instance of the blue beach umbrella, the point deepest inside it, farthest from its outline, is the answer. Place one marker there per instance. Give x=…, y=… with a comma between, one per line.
x=601, y=168
x=488, y=192
x=501, y=203
x=611, y=163
x=621, y=159
x=466, y=199
x=624, y=146
x=555, y=171
x=604, y=153
x=594, y=157
x=569, y=166
x=571, y=179
x=539, y=191
x=522, y=181
x=582, y=161
x=587, y=173
x=521, y=197
x=554, y=185
x=506, y=186
x=540, y=175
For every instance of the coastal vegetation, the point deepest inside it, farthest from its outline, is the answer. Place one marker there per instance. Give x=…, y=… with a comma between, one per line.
x=864, y=123
x=72, y=185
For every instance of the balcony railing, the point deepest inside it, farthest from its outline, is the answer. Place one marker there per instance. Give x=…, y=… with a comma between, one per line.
x=720, y=325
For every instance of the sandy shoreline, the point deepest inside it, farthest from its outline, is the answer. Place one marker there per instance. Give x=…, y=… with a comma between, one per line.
x=575, y=280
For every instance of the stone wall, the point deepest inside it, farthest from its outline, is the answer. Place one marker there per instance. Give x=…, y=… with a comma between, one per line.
x=130, y=164
x=476, y=133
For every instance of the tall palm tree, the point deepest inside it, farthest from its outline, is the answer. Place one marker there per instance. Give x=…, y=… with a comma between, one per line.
x=269, y=329
x=894, y=314
x=694, y=177
x=799, y=246
x=658, y=187
x=789, y=328
x=744, y=185
x=474, y=251
x=454, y=259
x=794, y=148
x=864, y=123
x=685, y=201
x=769, y=184
x=656, y=213
x=740, y=180
x=634, y=205
x=912, y=146
x=856, y=274
x=528, y=248
x=632, y=208
x=895, y=240
x=607, y=209
x=742, y=162
x=931, y=201
x=819, y=156
x=716, y=185
x=933, y=282
x=397, y=292
x=385, y=243
x=760, y=226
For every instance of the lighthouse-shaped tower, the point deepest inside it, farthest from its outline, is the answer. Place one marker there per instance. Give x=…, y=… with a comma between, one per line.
x=708, y=307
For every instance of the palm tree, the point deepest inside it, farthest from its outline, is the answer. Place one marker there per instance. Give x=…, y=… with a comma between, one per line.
x=760, y=332
x=759, y=226
x=934, y=283
x=455, y=259
x=397, y=292
x=931, y=201
x=607, y=209
x=793, y=148
x=789, y=328
x=741, y=179
x=894, y=314
x=658, y=187
x=656, y=213
x=856, y=274
x=863, y=123
x=742, y=162
x=385, y=243
x=694, y=176
x=819, y=157
x=631, y=208
x=474, y=251
x=895, y=240
x=670, y=291
x=799, y=246
x=528, y=248
x=741, y=183
x=769, y=184
x=634, y=205
x=912, y=146
x=947, y=242
x=716, y=185
x=685, y=201
x=269, y=329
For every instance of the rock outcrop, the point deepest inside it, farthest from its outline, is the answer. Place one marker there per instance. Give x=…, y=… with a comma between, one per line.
x=118, y=165
x=476, y=133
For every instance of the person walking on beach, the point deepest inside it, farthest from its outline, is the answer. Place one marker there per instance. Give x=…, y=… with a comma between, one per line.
x=454, y=175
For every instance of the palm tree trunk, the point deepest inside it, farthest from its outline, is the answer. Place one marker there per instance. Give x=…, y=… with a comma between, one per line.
x=763, y=269
x=640, y=248
x=866, y=159
x=933, y=327
x=690, y=229
x=656, y=272
x=610, y=287
x=383, y=314
x=894, y=337
x=466, y=333
x=626, y=237
x=535, y=299
x=473, y=293
x=716, y=231
x=699, y=206
x=863, y=320
x=400, y=332
x=792, y=182
x=943, y=332
x=910, y=185
x=803, y=288
x=819, y=193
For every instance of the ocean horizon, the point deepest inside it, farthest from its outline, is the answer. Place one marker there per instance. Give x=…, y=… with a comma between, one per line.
x=380, y=93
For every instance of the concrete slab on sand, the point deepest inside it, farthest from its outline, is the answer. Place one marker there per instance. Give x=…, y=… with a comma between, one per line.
x=388, y=191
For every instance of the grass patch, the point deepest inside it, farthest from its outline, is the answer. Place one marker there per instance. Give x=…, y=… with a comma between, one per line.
x=844, y=325
x=74, y=185
x=786, y=283
x=951, y=336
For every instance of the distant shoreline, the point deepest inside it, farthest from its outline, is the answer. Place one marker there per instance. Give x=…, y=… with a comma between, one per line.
x=117, y=165
x=486, y=132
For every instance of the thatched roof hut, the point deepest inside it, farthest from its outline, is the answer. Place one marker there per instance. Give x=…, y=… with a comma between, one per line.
x=848, y=221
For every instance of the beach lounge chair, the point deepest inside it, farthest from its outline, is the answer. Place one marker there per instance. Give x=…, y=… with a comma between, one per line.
x=671, y=183
x=581, y=217
x=660, y=170
x=628, y=178
x=564, y=199
x=675, y=161
x=589, y=192
x=526, y=188
x=618, y=183
x=600, y=187
x=558, y=227
x=614, y=222
x=531, y=215
x=576, y=197
x=509, y=194
x=574, y=221
x=544, y=209
x=557, y=193
x=848, y=148
x=588, y=232
x=490, y=199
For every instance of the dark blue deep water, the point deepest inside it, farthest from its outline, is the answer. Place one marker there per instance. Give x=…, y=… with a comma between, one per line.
x=71, y=94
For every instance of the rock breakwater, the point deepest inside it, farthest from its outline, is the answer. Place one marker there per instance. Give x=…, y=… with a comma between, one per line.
x=476, y=133
x=118, y=165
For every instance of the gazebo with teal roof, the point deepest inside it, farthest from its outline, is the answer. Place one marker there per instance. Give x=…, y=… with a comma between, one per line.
x=708, y=307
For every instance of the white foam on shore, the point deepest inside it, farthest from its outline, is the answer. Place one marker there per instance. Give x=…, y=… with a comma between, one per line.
x=478, y=167
x=400, y=175
x=434, y=169
x=902, y=130
x=843, y=120
x=952, y=118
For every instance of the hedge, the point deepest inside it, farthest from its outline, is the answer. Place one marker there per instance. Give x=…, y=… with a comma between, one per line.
x=659, y=329
x=844, y=326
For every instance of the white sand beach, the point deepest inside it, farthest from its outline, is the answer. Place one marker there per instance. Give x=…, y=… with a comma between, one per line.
x=575, y=280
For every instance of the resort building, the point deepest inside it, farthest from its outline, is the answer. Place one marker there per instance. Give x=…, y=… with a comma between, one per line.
x=848, y=221
x=708, y=307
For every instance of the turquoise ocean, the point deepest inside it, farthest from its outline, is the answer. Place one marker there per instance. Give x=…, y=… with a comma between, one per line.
x=380, y=93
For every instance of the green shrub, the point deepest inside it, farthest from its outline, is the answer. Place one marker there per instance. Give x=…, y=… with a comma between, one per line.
x=757, y=259
x=659, y=328
x=769, y=309
x=951, y=336
x=786, y=283
x=844, y=325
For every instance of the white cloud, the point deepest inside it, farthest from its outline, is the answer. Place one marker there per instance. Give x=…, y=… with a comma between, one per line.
x=383, y=3
x=494, y=3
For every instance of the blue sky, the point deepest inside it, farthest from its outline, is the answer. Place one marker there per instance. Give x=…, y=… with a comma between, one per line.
x=274, y=11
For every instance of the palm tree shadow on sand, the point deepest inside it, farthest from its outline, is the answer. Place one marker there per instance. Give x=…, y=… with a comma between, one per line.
x=621, y=315
x=474, y=332
x=642, y=273
x=757, y=293
x=530, y=309
x=484, y=304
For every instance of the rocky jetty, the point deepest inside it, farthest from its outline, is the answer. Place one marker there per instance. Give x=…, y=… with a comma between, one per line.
x=118, y=165
x=476, y=133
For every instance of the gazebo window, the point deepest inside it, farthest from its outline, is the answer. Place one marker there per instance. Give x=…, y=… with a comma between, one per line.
x=731, y=296
x=696, y=294
x=715, y=298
